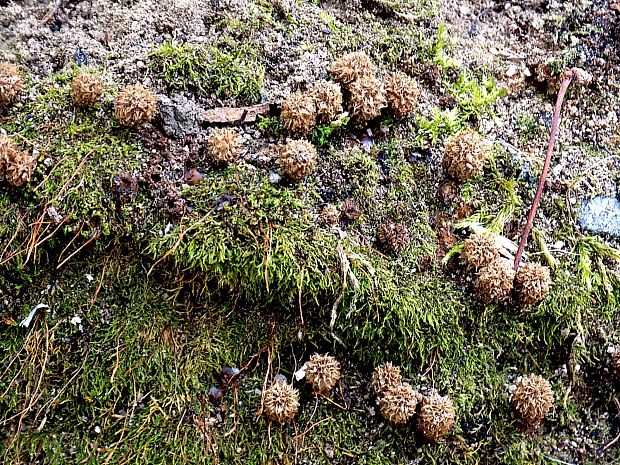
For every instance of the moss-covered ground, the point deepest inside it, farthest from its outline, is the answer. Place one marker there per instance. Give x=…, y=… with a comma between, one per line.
x=143, y=312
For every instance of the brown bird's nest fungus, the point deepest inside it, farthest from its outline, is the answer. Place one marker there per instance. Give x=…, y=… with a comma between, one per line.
x=351, y=67
x=436, y=417
x=298, y=158
x=322, y=372
x=532, y=283
x=328, y=101
x=494, y=282
x=385, y=377
x=11, y=83
x=532, y=399
x=398, y=405
x=281, y=402
x=298, y=114
x=366, y=98
x=224, y=145
x=135, y=106
x=393, y=237
x=16, y=166
x=402, y=94
x=464, y=155
x=479, y=250
x=86, y=89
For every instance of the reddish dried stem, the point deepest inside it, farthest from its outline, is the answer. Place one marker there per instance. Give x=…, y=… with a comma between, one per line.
x=568, y=77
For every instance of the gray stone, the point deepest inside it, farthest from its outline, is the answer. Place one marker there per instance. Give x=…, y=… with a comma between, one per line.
x=180, y=116
x=601, y=215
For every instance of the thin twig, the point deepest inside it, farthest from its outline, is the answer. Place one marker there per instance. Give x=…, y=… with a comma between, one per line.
x=567, y=78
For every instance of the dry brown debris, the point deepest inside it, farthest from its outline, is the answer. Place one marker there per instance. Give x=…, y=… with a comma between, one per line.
x=385, y=377
x=298, y=114
x=298, y=159
x=398, y=405
x=402, y=94
x=464, y=155
x=532, y=283
x=351, y=67
x=494, y=282
x=224, y=145
x=328, y=101
x=479, y=250
x=11, y=83
x=322, y=372
x=135, y=106
x=436, y=417
x=532, y=399
x=86, y=89
x=281, y=402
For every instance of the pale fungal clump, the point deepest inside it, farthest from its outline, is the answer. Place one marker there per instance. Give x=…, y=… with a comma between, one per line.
x=385, y=377
x=394, y=237
x=15, y=165
x=398, y=405
x=298, y=159
x=328, y=101
x=352, y=66
x=464, y=155
x=494, y=282
x=86, y=89
x=298, y=114
x=330, y=215
x=402, y=94
x=322, y=372
x=11, y=83
x=532, y=399
x=281, y=402
x=135, y=106
x=224, y=145
x=436, y=417
x=479, y=250
x=366, y=99
x=532, y=283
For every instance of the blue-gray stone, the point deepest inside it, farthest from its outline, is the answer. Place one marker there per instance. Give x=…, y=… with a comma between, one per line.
x=601, y=215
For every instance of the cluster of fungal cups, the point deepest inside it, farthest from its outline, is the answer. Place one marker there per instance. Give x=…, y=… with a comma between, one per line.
x=399, y=403
x=367, y=95
x=532, y=399
x=495, y=280
x=281, y=399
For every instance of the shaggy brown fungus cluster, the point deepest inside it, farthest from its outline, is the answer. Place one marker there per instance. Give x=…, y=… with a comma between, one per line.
x=328, y=100
x=398, y=404
x=532, y=283
x=394, y=237
x=532, y=399
x=464, y=155
x=479, y=250
x=352, y=66
x=366, y=99
x=436, y=417
x=86, y=89
x=135, y=106
x=402, y=94
x=494, y=282
x=322, y=372
x=385, y=377
x=298, y=114
x=298, y=159
x=281, y=402
x=15, y=166
x=224, y=145
x=11, y=83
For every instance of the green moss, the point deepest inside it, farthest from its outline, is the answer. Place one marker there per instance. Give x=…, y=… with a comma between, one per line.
x=183, y=66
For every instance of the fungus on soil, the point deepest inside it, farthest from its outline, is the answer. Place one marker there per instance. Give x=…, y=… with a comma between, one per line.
x=398, y=404
x=86, y=89
x=464, y=155
x=224, y=145
x=298, y=158
x=532, y=399
x=385, y=377
x=298, y=114
x=11, y=83
x=135, y=106
x=322, y=373
x=436, y=417
x=281, y=402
